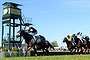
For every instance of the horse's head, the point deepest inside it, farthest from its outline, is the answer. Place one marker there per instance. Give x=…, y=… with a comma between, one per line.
x=20, y=33
x=65, y=39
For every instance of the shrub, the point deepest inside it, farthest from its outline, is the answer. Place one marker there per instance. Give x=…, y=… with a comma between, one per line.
x=15, y=49
x=15, y=52
x=4, y=49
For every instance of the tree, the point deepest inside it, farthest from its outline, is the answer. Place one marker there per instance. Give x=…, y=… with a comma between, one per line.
x=54, y=44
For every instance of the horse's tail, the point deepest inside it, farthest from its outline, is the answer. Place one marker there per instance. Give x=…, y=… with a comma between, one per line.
x=50, y=45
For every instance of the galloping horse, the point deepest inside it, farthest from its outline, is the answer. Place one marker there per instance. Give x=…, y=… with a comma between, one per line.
x=79, y=44
x=88, y=43
x=30, y=41
x=70, y=46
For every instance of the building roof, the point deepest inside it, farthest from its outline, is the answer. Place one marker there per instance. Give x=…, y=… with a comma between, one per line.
x=11, y=4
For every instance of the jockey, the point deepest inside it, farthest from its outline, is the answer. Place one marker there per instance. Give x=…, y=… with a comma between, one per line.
x=73, y=39
x=27, y=28
x=80, y=36
x=85, y=39
x=31, y=31
x=69, y=38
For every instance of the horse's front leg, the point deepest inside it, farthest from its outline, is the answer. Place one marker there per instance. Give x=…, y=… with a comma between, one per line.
x=35, y=50
x=43, y=51
x=25, y=51
x=81, y=51
x=47, y=51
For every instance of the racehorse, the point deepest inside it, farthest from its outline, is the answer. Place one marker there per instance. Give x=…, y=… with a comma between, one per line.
x=31, y=42
x=88, y=42
x=70, y=46
x=79, y=44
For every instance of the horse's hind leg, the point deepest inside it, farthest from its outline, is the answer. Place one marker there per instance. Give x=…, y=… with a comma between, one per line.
x=35, y=51
x=47, y=51
x=81, y=51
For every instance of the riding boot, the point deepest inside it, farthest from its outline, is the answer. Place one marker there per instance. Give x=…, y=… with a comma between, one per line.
x=73, y=44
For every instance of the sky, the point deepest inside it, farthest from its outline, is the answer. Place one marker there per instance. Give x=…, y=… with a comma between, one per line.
x=55, y=19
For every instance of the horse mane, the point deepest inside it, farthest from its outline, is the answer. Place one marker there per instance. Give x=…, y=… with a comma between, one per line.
x=26, y=35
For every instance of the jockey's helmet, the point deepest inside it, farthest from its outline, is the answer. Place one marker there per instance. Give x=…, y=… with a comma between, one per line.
x=78, y=33
x=68, y=36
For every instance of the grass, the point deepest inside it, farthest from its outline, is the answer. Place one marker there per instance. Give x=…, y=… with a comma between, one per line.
x=61, y=57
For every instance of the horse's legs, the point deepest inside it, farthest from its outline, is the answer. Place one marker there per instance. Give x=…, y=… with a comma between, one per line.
x=75, y=49
x=85, y=49
x=25, y=51
x=46, y=50
x=35, y=50
x=88, y=50
x=69, y=49
x=78, y=49
x=81, y=51
x=43, y=51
